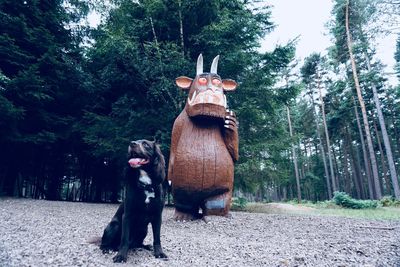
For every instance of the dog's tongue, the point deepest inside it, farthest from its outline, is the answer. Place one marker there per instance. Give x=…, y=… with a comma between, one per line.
x=136, y=162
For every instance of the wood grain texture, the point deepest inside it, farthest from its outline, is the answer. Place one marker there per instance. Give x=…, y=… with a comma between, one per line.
x=204, y=146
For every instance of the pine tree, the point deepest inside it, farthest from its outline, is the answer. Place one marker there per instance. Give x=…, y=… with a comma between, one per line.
x=40, y=59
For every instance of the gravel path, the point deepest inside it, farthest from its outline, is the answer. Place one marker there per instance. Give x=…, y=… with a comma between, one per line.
x=46, y=233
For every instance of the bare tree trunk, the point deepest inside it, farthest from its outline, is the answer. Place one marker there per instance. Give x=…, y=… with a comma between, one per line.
x=357, y=159
x=334, y=184
x=296, y=169
x=355, y=171
x=367, y=165
x=336, y=168
x=385, y=137
x=387, y=186
x=347, y=181
x=378, y=192
x=181, y=26
x=394, y=121
x=321, y=145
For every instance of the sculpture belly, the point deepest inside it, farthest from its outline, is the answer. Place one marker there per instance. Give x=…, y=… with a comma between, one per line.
x=202, y=160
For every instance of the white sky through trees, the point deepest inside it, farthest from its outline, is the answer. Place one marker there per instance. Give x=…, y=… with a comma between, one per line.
x=306, y=19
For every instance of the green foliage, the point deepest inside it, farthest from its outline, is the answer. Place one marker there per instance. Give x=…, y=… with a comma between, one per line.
x=42, y=89
x=344, y=200
x=397, y=56
x=239, y=203
x=60, y=99
x=138, y=54
x=389, y=201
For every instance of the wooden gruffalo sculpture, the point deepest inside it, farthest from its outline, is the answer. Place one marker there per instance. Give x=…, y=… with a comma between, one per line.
x=204, y=146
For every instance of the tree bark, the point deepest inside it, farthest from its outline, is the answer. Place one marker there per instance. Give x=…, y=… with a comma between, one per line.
x=367, y=165
x=181, y=26
x=386, y=188
x=355, y=171
x=378, y=192
x=296, y=169
x=321, y=145
x=385, y=137
x=334, y=184
x=347, y=181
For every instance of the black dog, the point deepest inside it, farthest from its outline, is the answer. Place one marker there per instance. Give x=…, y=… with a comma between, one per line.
x=143, y=204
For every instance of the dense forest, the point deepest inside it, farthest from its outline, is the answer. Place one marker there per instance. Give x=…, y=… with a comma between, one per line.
x=72, y=96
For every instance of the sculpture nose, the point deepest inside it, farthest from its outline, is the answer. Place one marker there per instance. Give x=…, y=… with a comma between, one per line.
x=210, y=87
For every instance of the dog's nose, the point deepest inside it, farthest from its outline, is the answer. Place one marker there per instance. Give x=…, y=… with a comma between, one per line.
x=133, y=143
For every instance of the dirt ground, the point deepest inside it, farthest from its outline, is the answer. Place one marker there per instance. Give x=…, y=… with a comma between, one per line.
x=48, y=233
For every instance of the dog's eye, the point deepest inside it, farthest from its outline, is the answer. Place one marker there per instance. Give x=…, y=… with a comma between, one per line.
x=146, y=145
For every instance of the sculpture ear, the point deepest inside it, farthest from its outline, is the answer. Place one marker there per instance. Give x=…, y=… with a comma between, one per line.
x=183, y=82
x=229, y=85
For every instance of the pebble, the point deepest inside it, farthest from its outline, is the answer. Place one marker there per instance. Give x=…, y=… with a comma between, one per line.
x=50, y=233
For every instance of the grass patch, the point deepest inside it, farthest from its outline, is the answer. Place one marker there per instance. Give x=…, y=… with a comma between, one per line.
x=325, y=208
x=382, y=213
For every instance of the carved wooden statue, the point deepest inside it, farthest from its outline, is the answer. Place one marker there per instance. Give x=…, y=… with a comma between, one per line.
x=204, y=146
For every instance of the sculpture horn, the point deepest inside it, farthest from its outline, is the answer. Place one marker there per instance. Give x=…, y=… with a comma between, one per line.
x=214, y=65
x=199, y=68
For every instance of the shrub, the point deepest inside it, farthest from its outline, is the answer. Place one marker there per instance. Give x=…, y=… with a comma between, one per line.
x=239, y=203
x=389, y=201
x=344, y=200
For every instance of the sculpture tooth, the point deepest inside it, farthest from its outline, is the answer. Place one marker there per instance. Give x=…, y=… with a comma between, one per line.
x=225, y=102
x=201, y=100
x=221, y=101
x=214, y=99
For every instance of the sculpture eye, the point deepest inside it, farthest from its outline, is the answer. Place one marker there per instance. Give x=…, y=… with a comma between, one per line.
x=216, y=81
x=202, y=81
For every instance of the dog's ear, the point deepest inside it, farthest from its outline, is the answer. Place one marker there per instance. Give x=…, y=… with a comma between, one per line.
x=159, y=163
x=157, y=137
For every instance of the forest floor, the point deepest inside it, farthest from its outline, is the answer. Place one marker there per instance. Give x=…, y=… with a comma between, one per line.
x=50, y=233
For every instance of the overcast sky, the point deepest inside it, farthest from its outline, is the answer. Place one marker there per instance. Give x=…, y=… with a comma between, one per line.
x=307, y=19
x=304, y=18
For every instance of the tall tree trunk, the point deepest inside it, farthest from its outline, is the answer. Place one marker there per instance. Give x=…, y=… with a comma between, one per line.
x=336, y=168
x=386, y=188
x=394, y=121
x=321, y=145
x=357, y=160
x=367, y=165
x=347, y=181
x=181, y=26
x=296, y=169
x=385, y=136
x=334, y=184
x=355, y=171
x=378, y=192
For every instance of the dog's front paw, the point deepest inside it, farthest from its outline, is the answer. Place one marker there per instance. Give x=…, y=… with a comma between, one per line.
x=158, y=252
x=161, y=255
x=105, y=251
x=119, y=258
